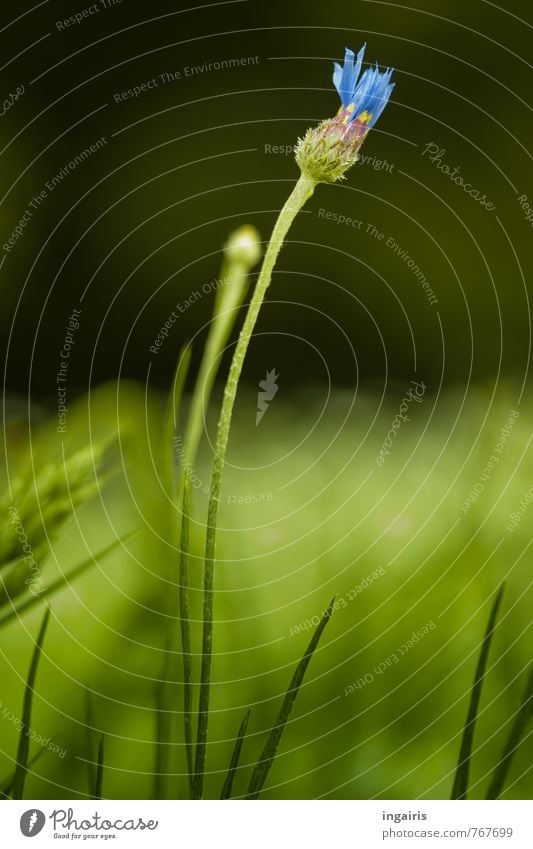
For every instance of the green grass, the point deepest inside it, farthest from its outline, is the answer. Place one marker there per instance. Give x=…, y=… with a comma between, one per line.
x=23, y=750
x=266, y=759
x=521, y=721
x=99, y=774
x=227, y=788
x=460, y=784
x=334, y=517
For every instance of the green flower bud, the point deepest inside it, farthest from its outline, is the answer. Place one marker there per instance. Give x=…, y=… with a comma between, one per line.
x=244, y=246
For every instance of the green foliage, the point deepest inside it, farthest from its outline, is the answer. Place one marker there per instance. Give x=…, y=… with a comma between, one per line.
x=263, y=765
x=235, y=758
x=522, y=719
x=24, y=738
x=460, y=784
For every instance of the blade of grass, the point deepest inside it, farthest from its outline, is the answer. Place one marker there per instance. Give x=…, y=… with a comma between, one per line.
x=162, y=722
x=24, y=739
x=241, y=252
x=460, y=784
x=99, y=778
x=171, y=480
x=89, y=725
x=522, y=719
x=185, y=627
x=235, y=757
x=6, y=786
x=263, y=765
x=172, y=416
x=300, y=194
x=17, y=610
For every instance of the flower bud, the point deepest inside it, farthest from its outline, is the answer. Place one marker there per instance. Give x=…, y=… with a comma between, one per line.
x=326, y=152
x=244, y=246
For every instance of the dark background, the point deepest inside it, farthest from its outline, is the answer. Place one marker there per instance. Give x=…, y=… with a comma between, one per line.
x=141, y=223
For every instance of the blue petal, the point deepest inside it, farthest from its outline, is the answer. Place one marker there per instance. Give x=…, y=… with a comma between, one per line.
x=380, y=104
x=369, y=93
x=363, y=92
x=337, y=76
x=359, y=63
x=379, y=96
x=345, y=78
x=347, y=83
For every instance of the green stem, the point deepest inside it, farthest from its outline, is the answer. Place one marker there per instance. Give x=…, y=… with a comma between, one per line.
x=522, y=719
x=234, y=276
x=302, y=191
x=164, y=693
x=229, y=297
x=99, y=780
x=185, y=626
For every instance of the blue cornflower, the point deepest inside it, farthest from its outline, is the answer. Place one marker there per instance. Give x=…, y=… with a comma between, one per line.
x=327, y=151
x=362, y=99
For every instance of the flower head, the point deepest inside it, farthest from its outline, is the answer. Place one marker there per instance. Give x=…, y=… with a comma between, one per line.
x=327, y=151
x=244, y=246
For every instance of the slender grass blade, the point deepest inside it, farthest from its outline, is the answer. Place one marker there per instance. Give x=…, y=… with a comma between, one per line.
x=185, y=627
x=522, y=719
x=205, y=671
x=162, y=723
x=263, y=765
x=173, y=475
x=6, y=786
x=99, y=778
x=460, y=784
x=235, y=758
x=88, y=729
x=17, y=610
x=21, y=768
x=171, y=419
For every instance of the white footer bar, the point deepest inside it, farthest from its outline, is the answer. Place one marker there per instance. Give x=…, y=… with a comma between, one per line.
x=268, y=825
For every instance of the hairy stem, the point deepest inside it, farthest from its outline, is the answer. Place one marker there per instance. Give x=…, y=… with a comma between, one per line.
x=300, y=194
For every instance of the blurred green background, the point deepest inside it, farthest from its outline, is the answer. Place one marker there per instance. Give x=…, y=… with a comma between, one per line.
x=135, y=230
